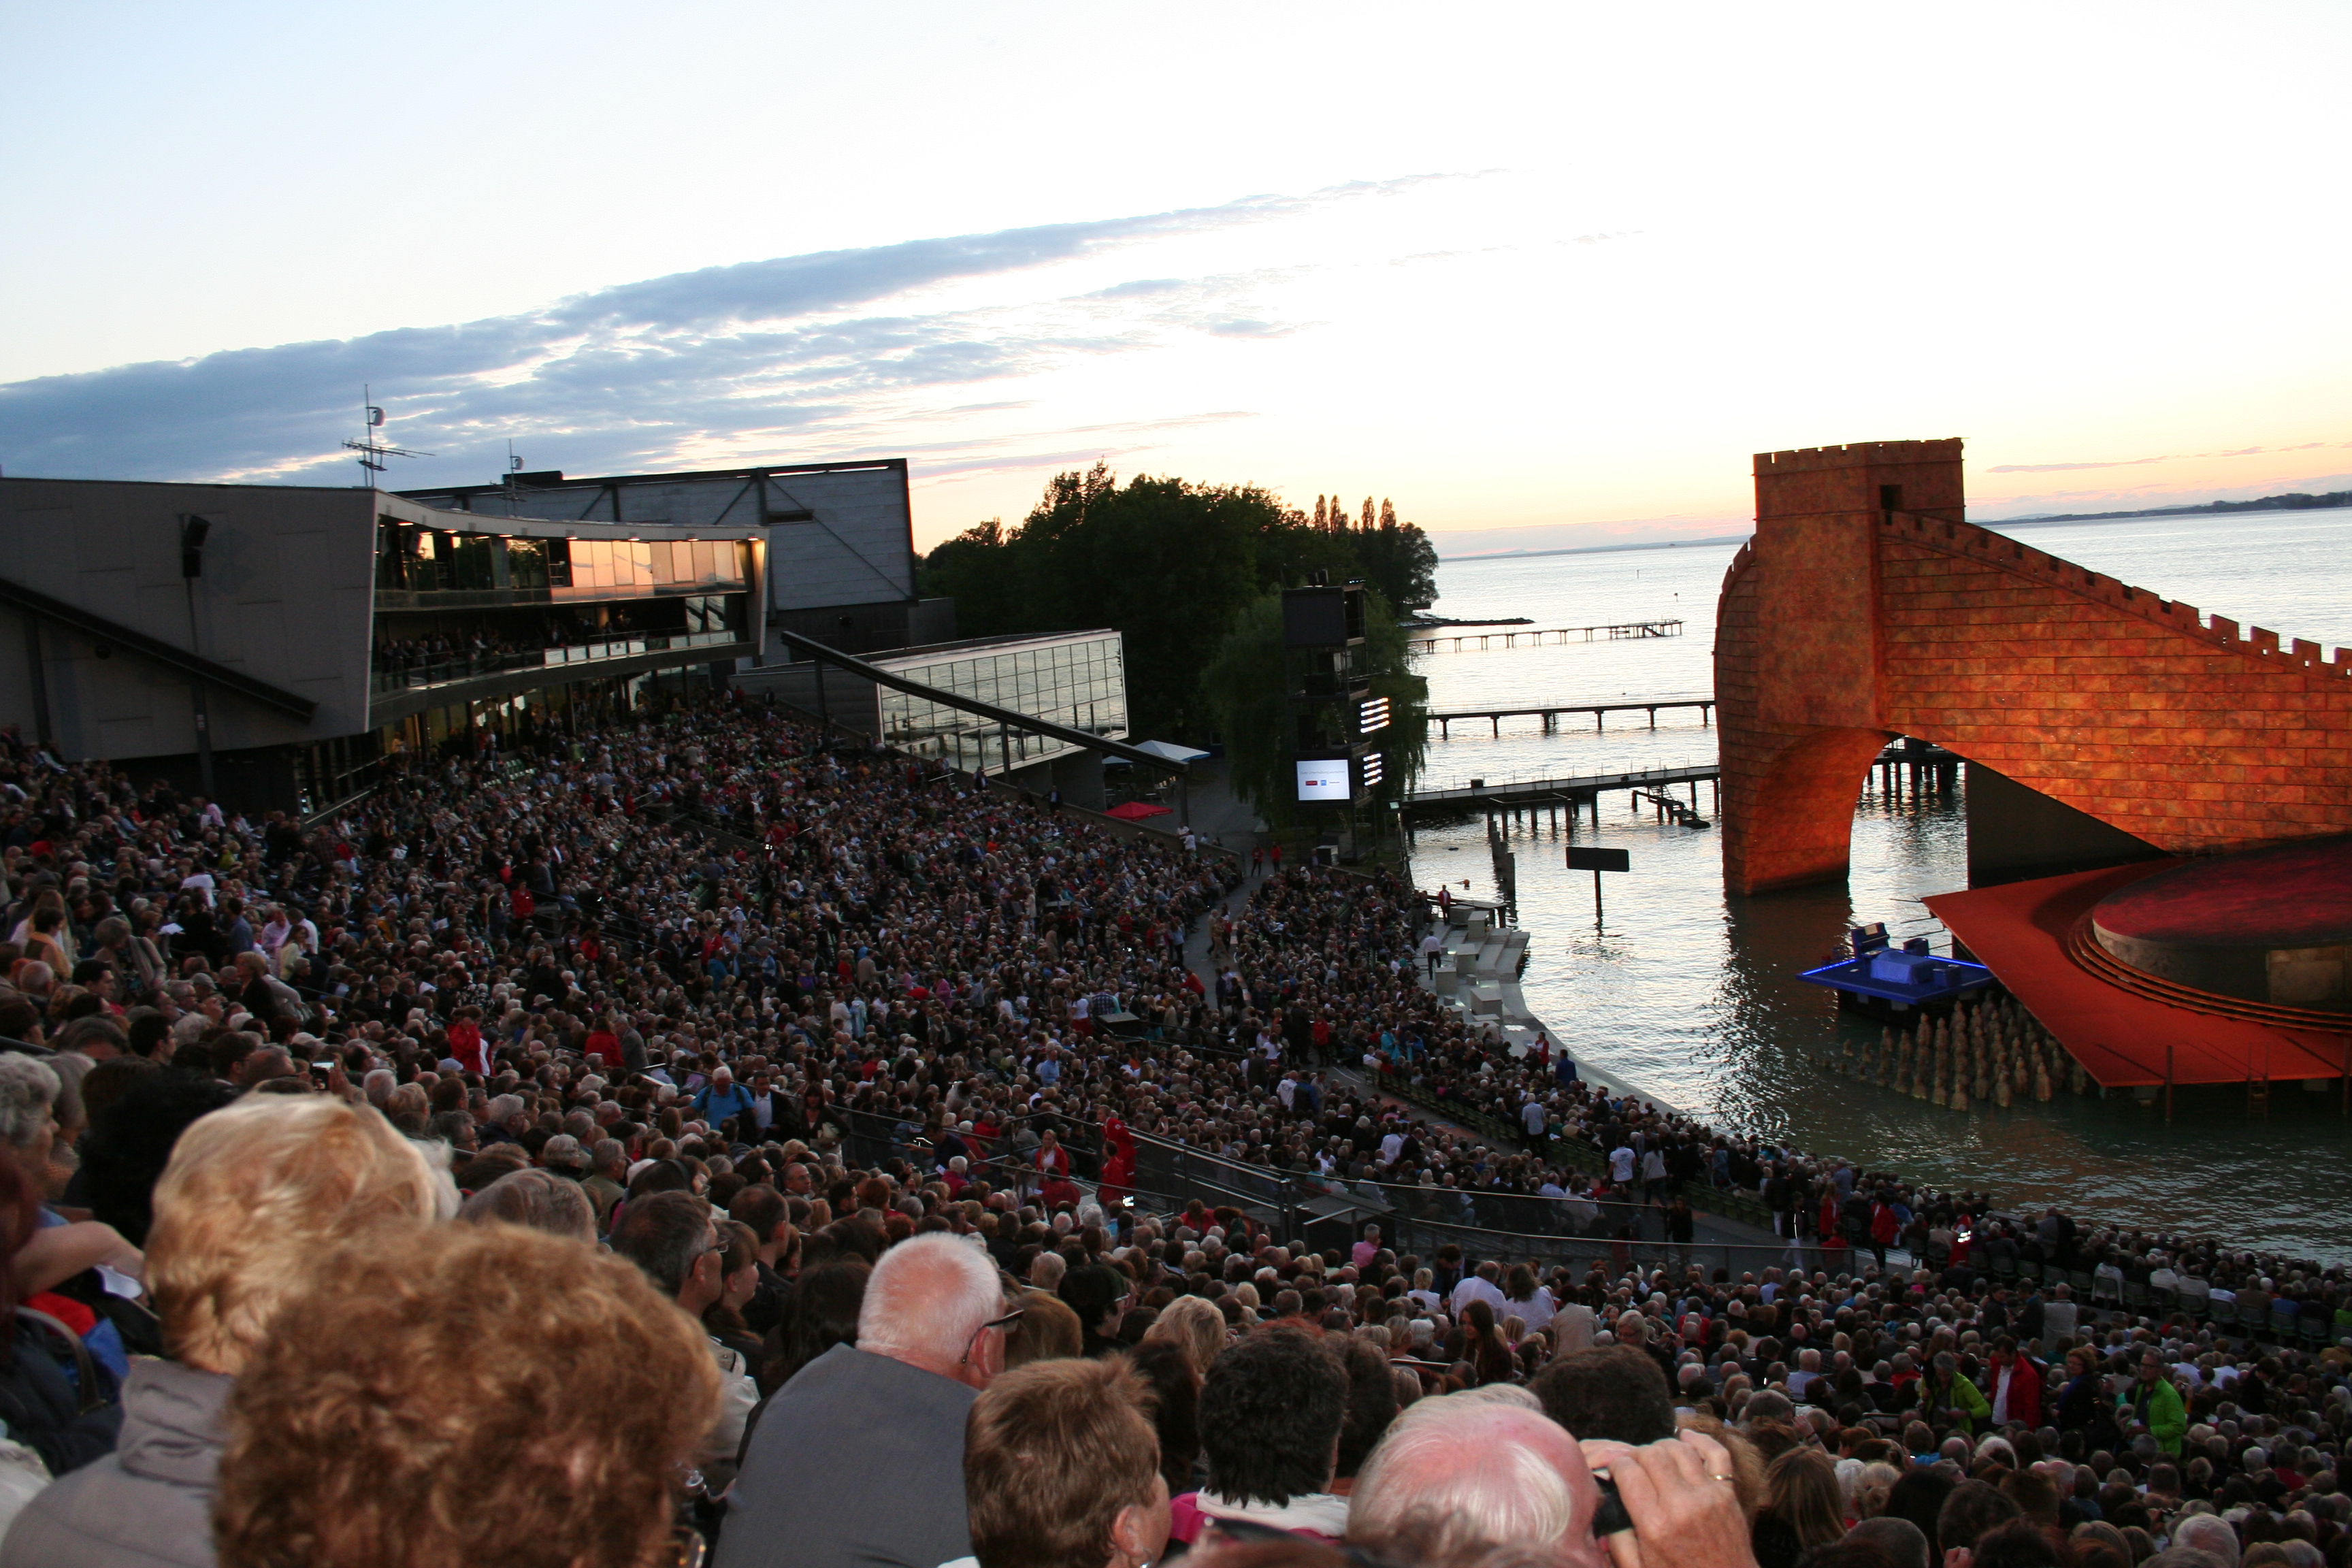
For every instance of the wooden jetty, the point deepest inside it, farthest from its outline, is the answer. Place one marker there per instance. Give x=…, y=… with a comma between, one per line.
x=1549, y=712
x=1540, y=636
x=1536, y=796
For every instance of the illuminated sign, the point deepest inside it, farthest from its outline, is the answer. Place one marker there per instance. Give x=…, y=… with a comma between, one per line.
x=1371, y=716
x=1373, y=770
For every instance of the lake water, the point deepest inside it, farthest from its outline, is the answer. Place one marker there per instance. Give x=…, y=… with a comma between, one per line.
x=1690, y=995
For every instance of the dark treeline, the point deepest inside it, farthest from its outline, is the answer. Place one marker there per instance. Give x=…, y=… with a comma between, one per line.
x=1172, y=566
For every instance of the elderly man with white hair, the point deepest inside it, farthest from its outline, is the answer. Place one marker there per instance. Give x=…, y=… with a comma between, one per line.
x=859, y=1459
x=1467, y=1474
x=2208, y=1533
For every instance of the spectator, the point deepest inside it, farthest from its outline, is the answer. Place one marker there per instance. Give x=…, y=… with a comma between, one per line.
x=824, y=1482
x=1175, y=1390
x=1048, y=1331
x=1905, y=1545
x=1611, y=1391
x=1802, y=1509
x=42, y=1409
x=2208, y=1533
x=1974, y=1510
x=1371, y=1408
x=254, y=1196
x=537, y=1199
x=1062, y=1470
x=1272, y=1408
x=820, y=1312
x=671, y=1237
x=1460, y=1476
x=575, y=1381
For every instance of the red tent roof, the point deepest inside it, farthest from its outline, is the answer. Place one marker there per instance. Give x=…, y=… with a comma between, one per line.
x=1137, y=810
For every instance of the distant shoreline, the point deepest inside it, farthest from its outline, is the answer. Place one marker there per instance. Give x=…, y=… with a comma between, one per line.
x=2335, y=501
x=2340, y=500
x=1598, y=549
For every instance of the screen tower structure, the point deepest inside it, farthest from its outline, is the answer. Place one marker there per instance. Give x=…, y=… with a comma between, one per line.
x=1336, y=719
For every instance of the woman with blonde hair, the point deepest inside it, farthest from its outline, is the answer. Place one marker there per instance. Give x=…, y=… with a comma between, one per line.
x=1193, y=1326
x=254, y=1197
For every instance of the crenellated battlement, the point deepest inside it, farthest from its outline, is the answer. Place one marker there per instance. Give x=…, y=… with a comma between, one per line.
x=2014, y=554
x=1864, y=607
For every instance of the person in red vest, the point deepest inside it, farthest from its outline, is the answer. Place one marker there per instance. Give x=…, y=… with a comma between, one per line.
x=467, y=1046
x=1119, y=1163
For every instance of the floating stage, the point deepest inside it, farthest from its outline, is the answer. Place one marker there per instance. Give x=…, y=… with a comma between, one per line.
x=1899, y=984
x=2229, y=970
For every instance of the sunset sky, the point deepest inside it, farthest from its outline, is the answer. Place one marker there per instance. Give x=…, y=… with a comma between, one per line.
x=1544, y=275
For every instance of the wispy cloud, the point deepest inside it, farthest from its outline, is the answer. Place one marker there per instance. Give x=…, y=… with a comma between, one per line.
x=2169, y=457
x=764, y=357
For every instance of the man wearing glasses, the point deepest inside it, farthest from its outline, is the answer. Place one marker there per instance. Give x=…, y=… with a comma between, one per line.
x=859, y=1459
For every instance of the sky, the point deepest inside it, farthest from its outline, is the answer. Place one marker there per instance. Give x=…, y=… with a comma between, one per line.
x=1544, y=276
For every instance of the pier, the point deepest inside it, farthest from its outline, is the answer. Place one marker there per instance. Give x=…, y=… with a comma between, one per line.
x=1549, y=712
x=1913, y=767
x=1534, y=798
x=1535, y=637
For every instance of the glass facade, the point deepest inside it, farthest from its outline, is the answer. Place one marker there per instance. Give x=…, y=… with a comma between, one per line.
x=453, y=605
x=411, y=561
x=1079, y=681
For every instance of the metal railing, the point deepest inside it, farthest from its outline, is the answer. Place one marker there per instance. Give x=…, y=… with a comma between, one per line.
x=403, y=676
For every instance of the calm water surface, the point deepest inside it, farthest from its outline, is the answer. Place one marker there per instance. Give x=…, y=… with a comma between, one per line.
x=1691, y=995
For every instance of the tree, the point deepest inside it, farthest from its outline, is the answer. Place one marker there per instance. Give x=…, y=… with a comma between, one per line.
x=1399, y=560
x=1171, y=565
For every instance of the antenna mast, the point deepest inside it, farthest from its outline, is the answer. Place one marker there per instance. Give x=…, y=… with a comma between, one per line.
x=373, y=452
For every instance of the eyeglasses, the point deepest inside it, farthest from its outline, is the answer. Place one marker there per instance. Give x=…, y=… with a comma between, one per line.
x=1004, y=1322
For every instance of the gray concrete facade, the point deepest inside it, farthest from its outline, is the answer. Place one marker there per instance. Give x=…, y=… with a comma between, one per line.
x=285, y=597
x=841, y=556
x=101, y=634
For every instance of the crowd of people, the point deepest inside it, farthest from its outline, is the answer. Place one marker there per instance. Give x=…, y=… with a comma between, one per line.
x=691, y=1137
x=443, y=653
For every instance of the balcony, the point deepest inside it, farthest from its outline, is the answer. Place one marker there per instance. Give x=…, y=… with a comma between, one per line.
x=425, y=675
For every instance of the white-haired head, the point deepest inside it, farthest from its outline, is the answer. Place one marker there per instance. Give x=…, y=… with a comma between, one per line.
x=2210, y=1533
x=926, y=1303
x=1459, y=1475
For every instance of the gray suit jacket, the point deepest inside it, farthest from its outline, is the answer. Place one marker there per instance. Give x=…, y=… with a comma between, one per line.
x=858, y=1463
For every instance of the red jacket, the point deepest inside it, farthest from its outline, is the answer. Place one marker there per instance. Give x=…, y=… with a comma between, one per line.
x=465, y=1047
x=2025, y=1406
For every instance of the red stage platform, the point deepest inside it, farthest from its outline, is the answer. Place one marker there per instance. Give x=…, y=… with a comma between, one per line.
x=2022, y=933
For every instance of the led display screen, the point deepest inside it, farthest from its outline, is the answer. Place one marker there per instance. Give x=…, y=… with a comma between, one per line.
x=1323, y=778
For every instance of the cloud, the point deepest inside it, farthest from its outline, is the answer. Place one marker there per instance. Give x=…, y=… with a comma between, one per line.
x=753, y=357
x=2172, y=457
x=2068, y=467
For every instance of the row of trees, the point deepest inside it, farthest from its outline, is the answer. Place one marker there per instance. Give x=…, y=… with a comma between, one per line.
x=1191, y=574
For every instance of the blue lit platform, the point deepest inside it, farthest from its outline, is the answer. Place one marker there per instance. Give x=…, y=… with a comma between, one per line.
x=1885, y=981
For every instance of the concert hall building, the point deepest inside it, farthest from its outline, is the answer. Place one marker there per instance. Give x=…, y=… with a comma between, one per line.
x=307, y=633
